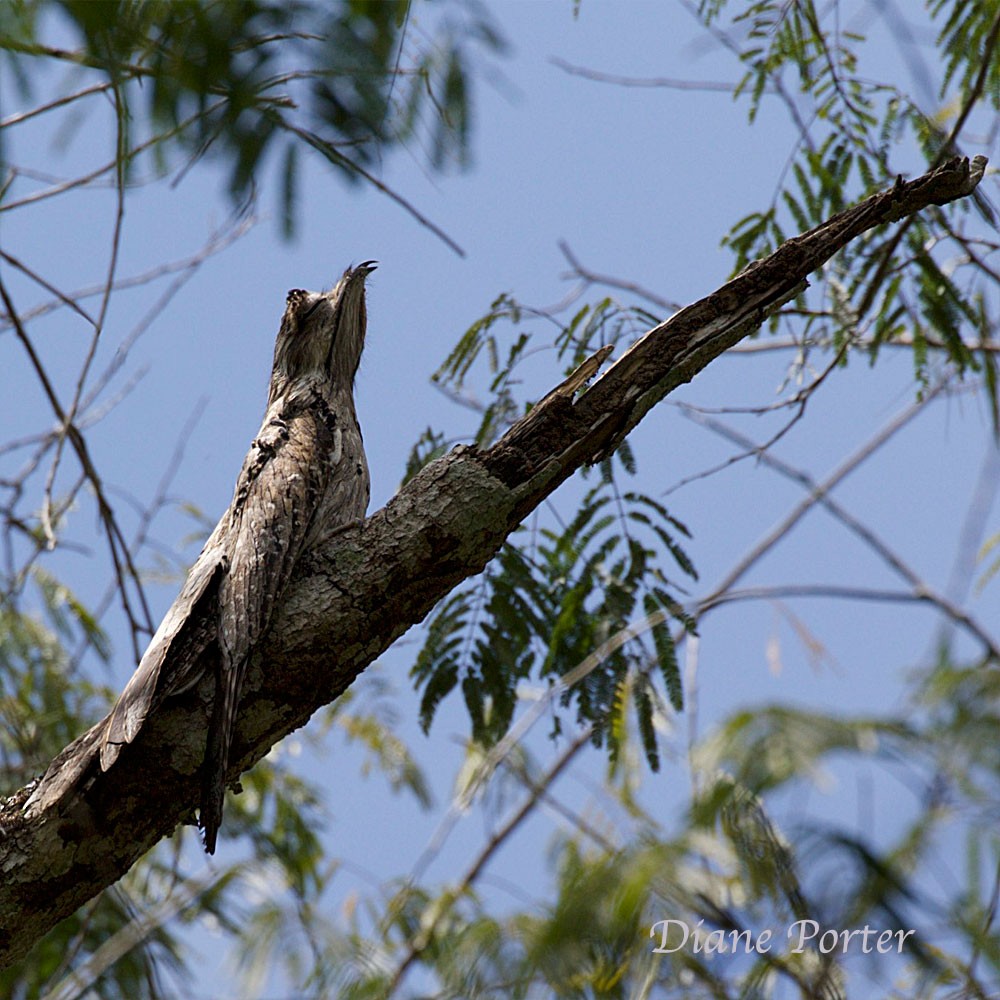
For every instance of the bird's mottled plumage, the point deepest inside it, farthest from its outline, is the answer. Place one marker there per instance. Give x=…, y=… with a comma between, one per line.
x=304, y=477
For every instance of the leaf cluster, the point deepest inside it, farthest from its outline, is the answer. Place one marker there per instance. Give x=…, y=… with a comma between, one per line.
x=246, y=83
x=43, y=701
x=550, y=600
x=925, y=284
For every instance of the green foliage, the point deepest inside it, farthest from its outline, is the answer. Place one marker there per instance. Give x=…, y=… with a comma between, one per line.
x=506, y=358
x=968, y=31
x=126, y=942
x=852, y=130
x=44, y=704
x=429, y=446
x=42, y=701
x=549, y=603
x=742, y=864
x=765, y=749
x=368, y=717
x=80, y=936
x=245, y=81
x=585, y=944
x=559, y=594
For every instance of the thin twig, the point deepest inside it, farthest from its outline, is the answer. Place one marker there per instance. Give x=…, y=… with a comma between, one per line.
x=147, y=515
x=111, y=165
x=62, y=297
x=23, y=116
x=438, y=912
x=820, y=494
x=798, y=512
x=116, y=540
x=948, y=148
x=669, y=83
x=593, y=278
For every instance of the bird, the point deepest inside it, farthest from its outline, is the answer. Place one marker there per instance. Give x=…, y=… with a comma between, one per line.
x=304, y=479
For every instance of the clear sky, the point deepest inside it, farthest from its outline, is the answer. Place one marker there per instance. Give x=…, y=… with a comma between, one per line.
x=642, y=183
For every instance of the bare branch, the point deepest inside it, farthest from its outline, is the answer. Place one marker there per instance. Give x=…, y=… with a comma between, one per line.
x=116, y=540
x=819, y=494
x=23, y=116
x=592, y=278
x=669, y=83
x=217, y=241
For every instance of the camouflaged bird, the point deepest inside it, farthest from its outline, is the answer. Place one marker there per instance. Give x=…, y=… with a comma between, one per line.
x=304, y=478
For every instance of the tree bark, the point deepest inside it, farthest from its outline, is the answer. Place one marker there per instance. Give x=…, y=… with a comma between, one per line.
x=83, y=829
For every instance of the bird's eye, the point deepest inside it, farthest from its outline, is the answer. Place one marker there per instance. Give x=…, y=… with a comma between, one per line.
x=297, y=297
x=312, y=308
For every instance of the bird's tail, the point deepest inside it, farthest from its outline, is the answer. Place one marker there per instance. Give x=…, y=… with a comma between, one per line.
x=220, y=737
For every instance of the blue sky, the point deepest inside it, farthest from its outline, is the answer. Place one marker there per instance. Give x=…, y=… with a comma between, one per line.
x=642, y=183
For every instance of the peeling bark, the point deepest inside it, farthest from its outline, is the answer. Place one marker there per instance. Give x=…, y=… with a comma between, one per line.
x=83, y=829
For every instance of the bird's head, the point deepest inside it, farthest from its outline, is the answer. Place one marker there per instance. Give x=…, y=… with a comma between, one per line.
x=323, y=333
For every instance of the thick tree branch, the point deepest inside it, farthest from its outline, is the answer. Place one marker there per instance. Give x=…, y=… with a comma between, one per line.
x=82, y=829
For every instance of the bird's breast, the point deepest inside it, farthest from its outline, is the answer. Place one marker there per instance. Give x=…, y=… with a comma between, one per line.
x=345, y=498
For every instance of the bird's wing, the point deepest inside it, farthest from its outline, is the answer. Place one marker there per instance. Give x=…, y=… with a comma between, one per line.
x=230, y=591
x=187, y=628
x=280, y=488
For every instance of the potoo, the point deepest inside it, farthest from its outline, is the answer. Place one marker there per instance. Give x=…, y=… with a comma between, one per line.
x=304, y=477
